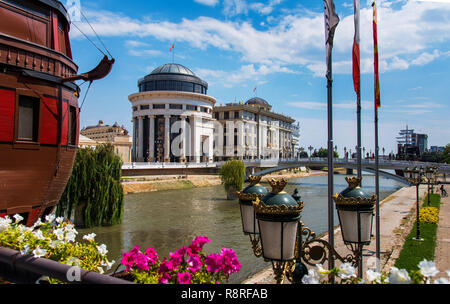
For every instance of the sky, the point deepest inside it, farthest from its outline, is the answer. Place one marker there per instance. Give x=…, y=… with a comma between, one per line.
x=277, y=46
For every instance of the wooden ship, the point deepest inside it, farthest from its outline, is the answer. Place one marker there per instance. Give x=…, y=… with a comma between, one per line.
x=39, y=112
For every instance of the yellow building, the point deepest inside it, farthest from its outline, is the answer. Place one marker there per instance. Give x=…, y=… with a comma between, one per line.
x=115, y=135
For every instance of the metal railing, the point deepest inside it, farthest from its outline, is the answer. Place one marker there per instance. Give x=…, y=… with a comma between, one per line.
x=26, y=269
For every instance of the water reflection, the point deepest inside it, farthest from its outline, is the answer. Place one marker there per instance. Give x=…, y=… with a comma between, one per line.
x=167, y=220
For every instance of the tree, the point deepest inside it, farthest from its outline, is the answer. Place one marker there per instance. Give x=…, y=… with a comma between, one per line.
x=324, y=153
x=94, y=189
x=446, y=154
x=232, y=174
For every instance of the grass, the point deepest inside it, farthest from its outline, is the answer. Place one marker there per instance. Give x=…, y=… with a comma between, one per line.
x=413, y=252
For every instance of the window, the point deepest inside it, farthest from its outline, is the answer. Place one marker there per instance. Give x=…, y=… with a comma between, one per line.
x=72, y=140
x=159, y=106
x=205, y=110
x=176, y=106
x=28, y=122
x=191, y=107
x=226, y=115
x=236, y=114
x=144, y=107
x=216, y=115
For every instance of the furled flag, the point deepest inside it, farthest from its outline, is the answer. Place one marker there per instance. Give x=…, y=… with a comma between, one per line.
x=254, y=90
x=355, y=52
x=331, y=21
x=375, y=54
x=172, y=47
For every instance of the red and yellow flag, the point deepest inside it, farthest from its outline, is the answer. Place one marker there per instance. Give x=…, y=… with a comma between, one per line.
x=375, y=63
x=355, y=52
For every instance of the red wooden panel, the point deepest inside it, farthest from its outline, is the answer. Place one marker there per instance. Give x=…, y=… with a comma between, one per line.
x=78, y=127
x=32, y=217
x=49, y=124
x=7, y=109
x=65, y=123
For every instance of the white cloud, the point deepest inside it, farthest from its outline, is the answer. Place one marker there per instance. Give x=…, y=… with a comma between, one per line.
x=406, y=34
x=207, y=2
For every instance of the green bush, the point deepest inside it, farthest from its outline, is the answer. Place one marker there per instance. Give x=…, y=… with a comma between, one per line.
x=95, y=187
x=232, y=174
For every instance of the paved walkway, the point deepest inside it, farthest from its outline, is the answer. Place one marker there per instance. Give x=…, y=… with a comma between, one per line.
x=442, y=254
x=397, y=216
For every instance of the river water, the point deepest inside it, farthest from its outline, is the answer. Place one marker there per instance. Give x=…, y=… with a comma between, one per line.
x=168, y=220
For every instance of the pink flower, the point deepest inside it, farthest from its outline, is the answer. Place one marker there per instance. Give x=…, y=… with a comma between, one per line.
x=197, y=245
x=214, y=262
x=165, y=266
x=230, y=261
x=164, y=279
x=194, y=264
x=127, y=260
x=152, y=255
x=184, y=278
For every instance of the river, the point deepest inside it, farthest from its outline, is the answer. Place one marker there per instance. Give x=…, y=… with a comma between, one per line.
x=168, y=220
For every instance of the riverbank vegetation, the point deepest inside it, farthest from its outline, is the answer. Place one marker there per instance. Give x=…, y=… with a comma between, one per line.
x=415, y=251
x=232, y=174
x=94, y=195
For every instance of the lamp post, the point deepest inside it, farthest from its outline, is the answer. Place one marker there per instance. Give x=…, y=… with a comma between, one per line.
x=249, y=223
x=414, y=176
x=286, y=242
x=355, y=211
x=429, y=174
x=310, y=148
x=278, y=215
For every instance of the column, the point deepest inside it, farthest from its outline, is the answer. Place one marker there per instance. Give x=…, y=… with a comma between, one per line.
x=183, y=140
x=141, y=139
x=134, y=156
x=167, y=138
x=151, y=139
x=195, y=141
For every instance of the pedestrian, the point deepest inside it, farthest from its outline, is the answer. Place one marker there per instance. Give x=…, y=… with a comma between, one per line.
x=443, y=192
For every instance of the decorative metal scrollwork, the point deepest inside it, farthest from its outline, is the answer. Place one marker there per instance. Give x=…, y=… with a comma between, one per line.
x=256, y=246
x=318, y=251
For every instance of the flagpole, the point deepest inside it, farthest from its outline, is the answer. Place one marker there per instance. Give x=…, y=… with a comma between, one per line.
x=331, y=22
x=376, y=105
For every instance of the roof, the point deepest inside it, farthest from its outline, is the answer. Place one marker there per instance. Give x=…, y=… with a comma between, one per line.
x=257, y=101
x=172, y=68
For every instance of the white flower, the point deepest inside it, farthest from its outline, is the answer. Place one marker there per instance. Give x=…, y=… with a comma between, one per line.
x=59, y=219
x=108, y=264
x=70, y=236
x=49, y=218
x=38, y=234
x=399, y=276
x=442, y=281
x=373, y=276
x=428, y=268
x=73, y=261
x=38, y=223
x=311, y=277
x=89, y=237
x=55, y=243
x=38, y=252
x=18, y=218
x=25, y=249
x=346, y=271
x=59, y=234
x=102, y=249
x=100, y=270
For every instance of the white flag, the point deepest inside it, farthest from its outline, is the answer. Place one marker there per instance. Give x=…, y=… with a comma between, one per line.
x=331, y=21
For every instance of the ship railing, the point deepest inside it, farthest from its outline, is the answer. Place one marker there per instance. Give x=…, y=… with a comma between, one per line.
x=16, y=267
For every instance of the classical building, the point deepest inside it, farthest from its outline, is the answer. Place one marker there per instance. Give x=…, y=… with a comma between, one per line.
x=172, y=117
x=115, y=135
x=252, y=131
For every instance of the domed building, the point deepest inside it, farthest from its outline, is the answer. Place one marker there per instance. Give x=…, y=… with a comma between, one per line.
x=257, y=132
x=172, y=117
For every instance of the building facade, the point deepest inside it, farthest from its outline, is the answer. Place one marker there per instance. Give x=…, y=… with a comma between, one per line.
x=252, y=131
x=172, y=117
x=116, y=135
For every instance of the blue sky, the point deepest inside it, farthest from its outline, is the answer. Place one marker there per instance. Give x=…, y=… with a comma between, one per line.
x=278, y=46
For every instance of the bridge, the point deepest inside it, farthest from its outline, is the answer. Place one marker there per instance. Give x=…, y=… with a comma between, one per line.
x=266, y=166
x=368, y=165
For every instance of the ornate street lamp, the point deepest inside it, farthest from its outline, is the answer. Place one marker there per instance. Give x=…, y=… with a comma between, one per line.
x=249, y=223
x=278, y=215
x=414, y=176
x=286, y=242
x=355, y=211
